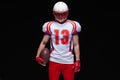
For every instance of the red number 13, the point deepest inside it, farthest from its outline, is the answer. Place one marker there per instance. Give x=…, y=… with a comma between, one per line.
x=65, y=34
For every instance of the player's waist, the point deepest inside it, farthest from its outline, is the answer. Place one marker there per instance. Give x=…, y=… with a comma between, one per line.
x=61, y=54
x=67, y=60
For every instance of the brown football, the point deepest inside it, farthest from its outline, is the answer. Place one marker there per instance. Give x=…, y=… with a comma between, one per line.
x=45, y=54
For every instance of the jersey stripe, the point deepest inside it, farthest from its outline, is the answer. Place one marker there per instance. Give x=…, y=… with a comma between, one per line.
x=51, y=47
x=48, y=28
x=70, y=47
x=74, y=31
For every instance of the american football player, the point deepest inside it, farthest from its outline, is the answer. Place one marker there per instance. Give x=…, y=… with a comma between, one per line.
x=64, y=39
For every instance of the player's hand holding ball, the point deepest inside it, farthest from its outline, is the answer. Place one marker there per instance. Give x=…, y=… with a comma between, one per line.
x=40, y=61
x=44, y=57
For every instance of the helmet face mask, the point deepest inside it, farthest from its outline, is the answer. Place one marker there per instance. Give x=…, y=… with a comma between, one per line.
x=60, y=11
x=61, y=16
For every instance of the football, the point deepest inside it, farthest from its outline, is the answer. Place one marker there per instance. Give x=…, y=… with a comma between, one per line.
x=45, y=54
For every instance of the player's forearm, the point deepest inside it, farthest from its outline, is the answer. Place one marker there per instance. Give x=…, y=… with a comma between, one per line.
x=41, y=47
x=42, y=44
x=77, y=51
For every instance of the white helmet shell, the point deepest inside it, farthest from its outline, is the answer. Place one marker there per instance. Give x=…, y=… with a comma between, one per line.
x=60, y=7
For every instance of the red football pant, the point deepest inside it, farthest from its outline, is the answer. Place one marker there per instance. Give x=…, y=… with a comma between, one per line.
x=56, y=68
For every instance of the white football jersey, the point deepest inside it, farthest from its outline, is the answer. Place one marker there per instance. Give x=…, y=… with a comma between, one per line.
x=61, y=40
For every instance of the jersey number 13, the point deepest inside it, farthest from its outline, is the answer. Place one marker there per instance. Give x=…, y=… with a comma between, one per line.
x=65, y=34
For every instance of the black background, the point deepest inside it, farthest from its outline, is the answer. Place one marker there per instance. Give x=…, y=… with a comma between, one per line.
x=21, y=32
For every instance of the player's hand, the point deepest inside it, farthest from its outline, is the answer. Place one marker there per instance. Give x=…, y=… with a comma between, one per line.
x=77, y=66
x=40, y=61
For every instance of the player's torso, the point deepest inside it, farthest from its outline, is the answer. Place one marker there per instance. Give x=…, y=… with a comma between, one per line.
x=61, y=42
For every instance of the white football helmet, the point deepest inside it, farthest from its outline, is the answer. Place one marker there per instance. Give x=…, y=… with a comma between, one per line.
x=60, y=11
